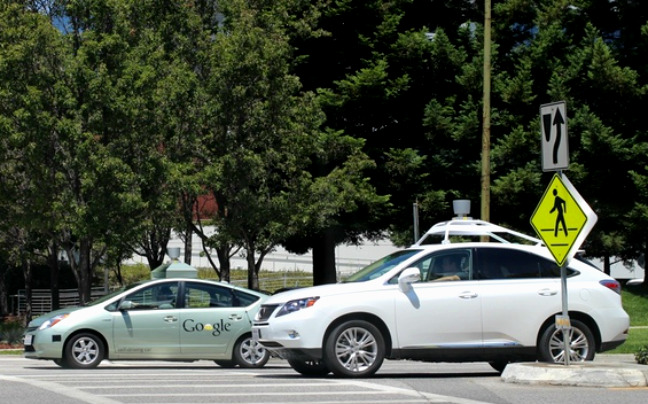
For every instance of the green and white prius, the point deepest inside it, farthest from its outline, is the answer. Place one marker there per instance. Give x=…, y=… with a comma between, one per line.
x=164, y=319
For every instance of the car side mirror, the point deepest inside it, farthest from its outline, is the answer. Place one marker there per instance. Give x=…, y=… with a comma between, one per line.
x=407, y=277
x=126, y=305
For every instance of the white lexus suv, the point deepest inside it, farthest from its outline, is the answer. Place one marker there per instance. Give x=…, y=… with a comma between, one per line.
x=451, y=301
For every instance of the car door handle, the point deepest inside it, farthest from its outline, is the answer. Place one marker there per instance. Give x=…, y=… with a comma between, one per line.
x=235, y=317
x=547, y=292
x=468, y=295
x=170, y=319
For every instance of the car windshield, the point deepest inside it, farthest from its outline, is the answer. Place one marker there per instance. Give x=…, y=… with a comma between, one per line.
x=380, y=267
x=113, y=294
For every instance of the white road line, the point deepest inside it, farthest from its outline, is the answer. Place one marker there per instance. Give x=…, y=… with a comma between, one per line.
x=354, y=401
x=432, y=398
x=358, y=391
x=62, y=390
x=214, y=386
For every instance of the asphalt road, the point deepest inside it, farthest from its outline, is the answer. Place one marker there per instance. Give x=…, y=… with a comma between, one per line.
x=24, y=381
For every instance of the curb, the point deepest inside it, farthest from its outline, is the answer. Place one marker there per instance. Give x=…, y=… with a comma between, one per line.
x=590, y=374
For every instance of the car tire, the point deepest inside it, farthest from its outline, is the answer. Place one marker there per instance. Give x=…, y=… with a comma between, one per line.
x=582, y=344
x=499, y=365
x=84, y=351
x=355, y=348
x=225, y=364
x=248, y=353
x=62, y=363
x=310, y=368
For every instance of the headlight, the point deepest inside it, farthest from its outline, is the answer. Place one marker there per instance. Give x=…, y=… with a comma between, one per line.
x=53, y=321
x=296, y=305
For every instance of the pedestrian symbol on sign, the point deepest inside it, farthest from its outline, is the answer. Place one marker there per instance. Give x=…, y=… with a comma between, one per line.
x=560, y=206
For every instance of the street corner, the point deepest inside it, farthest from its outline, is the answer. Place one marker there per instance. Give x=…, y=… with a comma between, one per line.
x=590, y=374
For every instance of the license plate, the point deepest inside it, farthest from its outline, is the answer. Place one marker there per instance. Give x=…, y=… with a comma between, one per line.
x=28, y=339
x=256, y=334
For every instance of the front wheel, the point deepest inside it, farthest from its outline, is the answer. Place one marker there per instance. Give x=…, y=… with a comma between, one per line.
x=248, y=353
x=355, y=348
x=83, y=351
x=581, y=344
x=62, y=363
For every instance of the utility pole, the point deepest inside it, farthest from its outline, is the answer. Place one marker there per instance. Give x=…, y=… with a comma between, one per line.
x=486, y=143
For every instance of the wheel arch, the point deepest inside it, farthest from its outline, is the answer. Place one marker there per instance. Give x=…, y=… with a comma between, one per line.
x=369, y=317
x=574, y=315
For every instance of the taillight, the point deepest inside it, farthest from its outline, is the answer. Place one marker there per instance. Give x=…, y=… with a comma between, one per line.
x=612, y=285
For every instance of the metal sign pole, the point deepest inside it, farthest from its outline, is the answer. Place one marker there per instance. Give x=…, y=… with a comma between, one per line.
x=564, y=324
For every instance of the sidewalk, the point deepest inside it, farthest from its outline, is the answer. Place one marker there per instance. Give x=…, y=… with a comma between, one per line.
x=607, y=370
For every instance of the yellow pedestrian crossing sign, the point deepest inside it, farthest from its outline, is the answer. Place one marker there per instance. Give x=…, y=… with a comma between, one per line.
x=562, y=219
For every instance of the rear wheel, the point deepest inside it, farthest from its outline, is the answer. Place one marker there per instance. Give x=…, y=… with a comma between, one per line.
x=581, y=344
x=83, y=351
x=248, y=353
x=355, y=348
x=313, y=368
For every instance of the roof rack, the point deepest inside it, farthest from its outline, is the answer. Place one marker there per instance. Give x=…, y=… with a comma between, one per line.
x=466, y=226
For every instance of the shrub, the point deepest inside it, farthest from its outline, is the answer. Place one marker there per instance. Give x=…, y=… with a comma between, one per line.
x=11, y=332
x=642, y=356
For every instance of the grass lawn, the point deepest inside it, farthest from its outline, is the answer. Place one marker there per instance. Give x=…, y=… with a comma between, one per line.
x=637, y=339
x=635, y=303
x=11, y=352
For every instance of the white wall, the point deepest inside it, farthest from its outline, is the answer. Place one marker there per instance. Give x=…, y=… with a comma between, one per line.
x=349, y=258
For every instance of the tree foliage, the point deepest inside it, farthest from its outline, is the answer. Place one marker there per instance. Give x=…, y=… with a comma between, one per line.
x=306, y=124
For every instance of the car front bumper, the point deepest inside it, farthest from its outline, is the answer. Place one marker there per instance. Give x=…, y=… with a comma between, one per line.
x=43, y=345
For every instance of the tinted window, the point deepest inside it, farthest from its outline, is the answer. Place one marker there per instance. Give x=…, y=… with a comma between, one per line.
x=446, y=265
x=244, y=299
x=499, y=263
x=158, y=296
x=199, y=295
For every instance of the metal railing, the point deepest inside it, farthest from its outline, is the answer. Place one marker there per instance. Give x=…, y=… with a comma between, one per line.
x=42, y=299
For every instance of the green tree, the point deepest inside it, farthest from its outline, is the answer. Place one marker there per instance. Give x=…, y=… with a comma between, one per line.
x=263, y=131
x=559, y=54
x=103, y=166
x=376, y=69
x=32, y=56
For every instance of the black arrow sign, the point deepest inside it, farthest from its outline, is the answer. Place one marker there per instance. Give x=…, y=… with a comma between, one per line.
x=558, y=121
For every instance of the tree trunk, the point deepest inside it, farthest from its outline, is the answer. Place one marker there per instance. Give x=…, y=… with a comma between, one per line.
x=85, y=270
x=324, y=270
x=644, y=284
x=27, y=273
x=224, y=263
x=53, y=264
x=188, y=245
x=253, y=275
x=606, y=265
x=4, y=299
